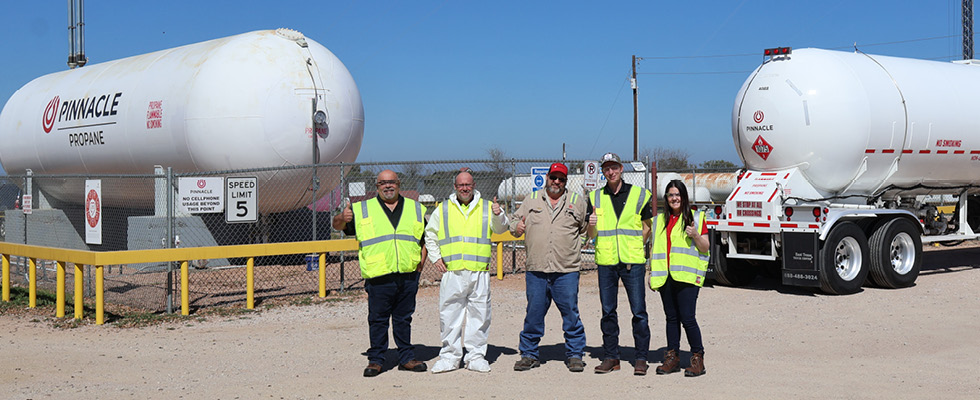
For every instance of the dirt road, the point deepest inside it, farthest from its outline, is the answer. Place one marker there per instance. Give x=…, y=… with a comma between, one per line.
x=763, y=341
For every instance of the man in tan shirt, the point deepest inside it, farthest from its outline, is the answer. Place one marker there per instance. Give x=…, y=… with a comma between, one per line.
x=554, y=221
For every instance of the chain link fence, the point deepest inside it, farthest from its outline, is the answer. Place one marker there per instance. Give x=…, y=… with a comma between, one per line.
x=271, y=205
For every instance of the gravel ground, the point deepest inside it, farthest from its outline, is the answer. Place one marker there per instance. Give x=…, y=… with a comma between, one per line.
x=762, y=341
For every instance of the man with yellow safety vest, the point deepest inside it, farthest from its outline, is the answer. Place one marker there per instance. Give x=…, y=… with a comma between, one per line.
x=458, y=240
x=620, y=222
x=389, y=230
x=554, y=220
x=678, y=262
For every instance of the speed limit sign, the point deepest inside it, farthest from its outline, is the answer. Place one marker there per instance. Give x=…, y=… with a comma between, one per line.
x=242, y=204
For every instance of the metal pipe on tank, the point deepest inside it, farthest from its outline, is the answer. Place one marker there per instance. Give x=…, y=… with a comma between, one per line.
x=71, y=34
x=80, y=59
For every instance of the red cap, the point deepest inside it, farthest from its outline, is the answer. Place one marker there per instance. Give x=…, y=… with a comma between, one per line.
x=558, y=167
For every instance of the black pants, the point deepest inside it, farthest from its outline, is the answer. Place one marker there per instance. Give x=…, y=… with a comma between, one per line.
x=391, y=297
x=680, y=302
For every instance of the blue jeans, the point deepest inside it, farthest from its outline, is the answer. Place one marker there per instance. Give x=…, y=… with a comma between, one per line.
x=392, y=297
x=634, y=280
x=541, y=288
x=680, y=302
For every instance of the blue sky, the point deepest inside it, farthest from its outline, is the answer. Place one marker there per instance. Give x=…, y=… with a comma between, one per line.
x=449, y=79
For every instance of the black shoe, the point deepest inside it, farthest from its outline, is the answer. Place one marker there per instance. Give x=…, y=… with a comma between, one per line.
x=414, y=366
x=575, y=364
x=372, y=370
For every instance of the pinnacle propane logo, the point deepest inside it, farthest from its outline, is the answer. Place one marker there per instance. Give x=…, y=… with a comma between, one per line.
x=50, y=113
x=758, y=116
x=84, y=118
x=762, y=148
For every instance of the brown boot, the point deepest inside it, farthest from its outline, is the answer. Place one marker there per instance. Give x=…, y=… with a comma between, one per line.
x=671, y=363
x=697, y=365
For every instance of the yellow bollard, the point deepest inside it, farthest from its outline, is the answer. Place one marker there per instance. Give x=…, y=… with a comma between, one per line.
x=32, y=284
x=6, y=278
x=500, y=261
x=60, y=295
x=99, y=296
x=323, y=275
x=185, y=294
x=79, y=287
x=250, y=283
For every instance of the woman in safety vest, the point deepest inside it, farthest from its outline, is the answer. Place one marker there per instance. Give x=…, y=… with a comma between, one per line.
x=678, y=262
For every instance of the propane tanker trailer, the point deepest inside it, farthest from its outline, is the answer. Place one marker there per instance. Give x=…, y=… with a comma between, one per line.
x=840, y=149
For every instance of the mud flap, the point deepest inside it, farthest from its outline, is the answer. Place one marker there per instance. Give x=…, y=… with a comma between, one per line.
x=800, y=263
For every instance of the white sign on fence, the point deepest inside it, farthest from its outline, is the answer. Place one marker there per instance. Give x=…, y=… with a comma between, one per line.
x=592, y=174
x=93, y=211
x=201, y=195
x=538, y=175
x=242, y=200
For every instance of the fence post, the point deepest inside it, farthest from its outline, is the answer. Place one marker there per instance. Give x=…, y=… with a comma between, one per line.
x=32, y=283
x=185, y=303
x=343, y=195
x=513, y=201
x=169, y=192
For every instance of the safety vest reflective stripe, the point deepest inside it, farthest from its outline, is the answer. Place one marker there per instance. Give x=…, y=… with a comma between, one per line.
x=658, y=273
x=639, y=204
x=466, y=257
x=625, y=232
x=683, y=268
x=387, y=238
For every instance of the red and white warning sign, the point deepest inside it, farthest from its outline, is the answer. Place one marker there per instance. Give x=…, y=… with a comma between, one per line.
x=93, y=211
x=762, y=148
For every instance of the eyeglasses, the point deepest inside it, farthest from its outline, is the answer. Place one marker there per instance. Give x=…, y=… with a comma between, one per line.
x=670, y=195
x=388, y=182
x=558, y=178
x=464, y=185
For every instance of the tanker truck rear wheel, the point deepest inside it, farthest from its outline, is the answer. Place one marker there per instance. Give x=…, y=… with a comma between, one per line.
x=843, y=260
x=734, y=272
x=896, y=254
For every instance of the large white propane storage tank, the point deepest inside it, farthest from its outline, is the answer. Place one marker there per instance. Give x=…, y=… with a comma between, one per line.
x=862, y=124
x=245, y=101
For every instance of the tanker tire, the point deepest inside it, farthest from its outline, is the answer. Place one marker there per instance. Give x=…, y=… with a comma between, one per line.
x=896, y=254
x=734, y=272
x=843, y=260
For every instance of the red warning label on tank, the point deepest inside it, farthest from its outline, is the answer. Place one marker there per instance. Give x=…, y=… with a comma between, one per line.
x=762, y=148
x=154, y=115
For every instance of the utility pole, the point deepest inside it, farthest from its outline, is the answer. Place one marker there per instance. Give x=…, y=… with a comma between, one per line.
x=967, y=29
x=636, y=123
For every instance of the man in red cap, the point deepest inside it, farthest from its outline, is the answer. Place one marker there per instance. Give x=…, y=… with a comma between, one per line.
x=554, y=221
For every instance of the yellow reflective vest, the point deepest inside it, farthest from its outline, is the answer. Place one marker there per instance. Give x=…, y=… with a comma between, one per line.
x=687, y=264
x=465, y=242
x=386, y=249
x=619, y=240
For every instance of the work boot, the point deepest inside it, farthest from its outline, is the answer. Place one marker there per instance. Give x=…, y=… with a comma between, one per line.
x=575, y=364
x=697, y=365
x=671, y=363
x=640, y=368
x=608, y=365
x=526, y=363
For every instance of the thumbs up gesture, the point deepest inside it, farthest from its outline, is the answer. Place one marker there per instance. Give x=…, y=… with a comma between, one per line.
x=341, y=219
x=496, y=207
x=692, y=231
x=348, y=214
x=519, y=229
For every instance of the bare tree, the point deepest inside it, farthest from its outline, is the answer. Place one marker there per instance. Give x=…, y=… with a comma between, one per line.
x=718, y=164
x=667, y=159
x=499, y=163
